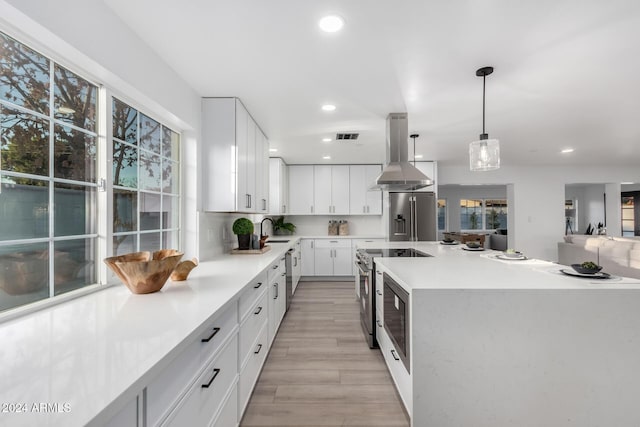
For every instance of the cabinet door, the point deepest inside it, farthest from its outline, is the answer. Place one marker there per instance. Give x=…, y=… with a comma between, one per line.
x=242, y=154
x=301, y=189
x=307, y=255
x=342, y=262
x=275, y=186
x=262, y=173
x=284, y=187
x=322, y=189
x=340, y=189
x=277, y=300
x=373, y=197
x=250, y=164
x=323, y=259
x=357, y=194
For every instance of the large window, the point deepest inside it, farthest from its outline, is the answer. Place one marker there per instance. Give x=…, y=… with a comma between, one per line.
x=442, y=214
x=630, y=205
x=483, y=214
x=146, y=196
x=49, y=154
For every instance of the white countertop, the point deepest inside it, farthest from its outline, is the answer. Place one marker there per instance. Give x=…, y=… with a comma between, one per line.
x=96, y=352
x=451, y=267
x=364, y=236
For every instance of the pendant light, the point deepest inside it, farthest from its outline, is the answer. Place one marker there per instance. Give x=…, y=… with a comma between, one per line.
x=414, y=136
x=484, y=154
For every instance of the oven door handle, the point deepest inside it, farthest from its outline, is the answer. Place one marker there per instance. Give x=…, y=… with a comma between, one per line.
x=363, y=270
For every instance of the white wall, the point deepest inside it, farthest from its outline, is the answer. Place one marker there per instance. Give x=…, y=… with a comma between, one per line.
x=87, y=37
x=537, y=208
x=359, y=225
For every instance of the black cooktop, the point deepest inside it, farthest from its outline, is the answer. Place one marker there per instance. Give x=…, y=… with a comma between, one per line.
x=396, y=252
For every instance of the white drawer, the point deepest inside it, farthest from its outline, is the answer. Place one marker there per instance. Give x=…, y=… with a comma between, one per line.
x=249, y=375
x=205, y=398
x=401, y=377
x=276, y=269
x=251, y=293
x=228, y=416
x=252, y=325
x=171, y=384
x=335, y=243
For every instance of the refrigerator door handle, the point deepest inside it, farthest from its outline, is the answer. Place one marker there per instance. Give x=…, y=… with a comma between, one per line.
x=415, y=219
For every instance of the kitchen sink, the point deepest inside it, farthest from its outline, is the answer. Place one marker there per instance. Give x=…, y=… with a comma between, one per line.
x=278, y=241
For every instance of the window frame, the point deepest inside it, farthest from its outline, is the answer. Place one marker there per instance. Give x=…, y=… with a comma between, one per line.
x=483, y=214
x=103, y=184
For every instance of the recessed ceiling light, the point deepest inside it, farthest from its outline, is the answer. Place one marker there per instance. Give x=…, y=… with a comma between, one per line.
x=331, y=23
x=328, y=107
x=418, y=156
x=273, y=150
x=326, y=139
x=326, y=157
x=567, y=150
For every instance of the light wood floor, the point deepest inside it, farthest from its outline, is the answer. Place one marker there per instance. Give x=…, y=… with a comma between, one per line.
x=320, y=371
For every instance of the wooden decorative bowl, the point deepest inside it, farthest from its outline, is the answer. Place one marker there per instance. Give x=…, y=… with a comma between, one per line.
x=144, y=272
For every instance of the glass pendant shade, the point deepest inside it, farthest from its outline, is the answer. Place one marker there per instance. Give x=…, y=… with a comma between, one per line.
x=484, y=155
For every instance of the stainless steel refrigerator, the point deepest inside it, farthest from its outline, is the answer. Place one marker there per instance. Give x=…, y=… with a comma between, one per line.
x=412, y=216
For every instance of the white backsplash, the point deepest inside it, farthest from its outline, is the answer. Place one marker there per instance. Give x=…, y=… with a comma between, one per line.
x=216, y=236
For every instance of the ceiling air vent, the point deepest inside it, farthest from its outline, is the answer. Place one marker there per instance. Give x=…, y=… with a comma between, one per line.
x=350, y=136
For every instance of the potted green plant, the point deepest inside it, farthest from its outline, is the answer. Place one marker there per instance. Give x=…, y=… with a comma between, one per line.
x=243, y=228
x=280, y=227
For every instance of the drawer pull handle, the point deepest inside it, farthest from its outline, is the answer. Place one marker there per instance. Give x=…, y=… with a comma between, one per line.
x=258, y=350
x=379, y=324
x=258, y=285
x=393, y=353
x=283, y=274
x=379, y=292
x=216, y=371
x=215, y=331
x=276, y=287
x=276, y=266
x=258, y=310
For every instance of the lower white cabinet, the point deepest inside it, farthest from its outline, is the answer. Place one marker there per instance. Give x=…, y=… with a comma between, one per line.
x=333, y=257
x=203, y=401
x=307, y=253
x=251, y=370
x=128, y=416
x=228, y=415
x=277, y=304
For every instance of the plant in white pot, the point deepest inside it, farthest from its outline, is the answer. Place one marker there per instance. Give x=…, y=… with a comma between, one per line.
x=243, y=228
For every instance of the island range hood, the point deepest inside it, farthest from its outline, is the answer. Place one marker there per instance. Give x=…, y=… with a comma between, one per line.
x=398, y=174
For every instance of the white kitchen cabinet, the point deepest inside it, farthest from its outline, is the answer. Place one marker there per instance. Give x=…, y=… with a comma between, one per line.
x=233, y=161
x=262, y=172
x=430, y=169
x=297, y=267
x=363, y=201
x=331, y=189
x=307, y=254
x=277, y=303
x=333, y=257
x=128, y=416
x=278, y=186
x=301, y=189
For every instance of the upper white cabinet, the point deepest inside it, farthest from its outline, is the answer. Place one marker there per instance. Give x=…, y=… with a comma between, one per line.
x=330, y=189
x=362, y=200
x=301, y=189
x=278, y=186
x=235, y=158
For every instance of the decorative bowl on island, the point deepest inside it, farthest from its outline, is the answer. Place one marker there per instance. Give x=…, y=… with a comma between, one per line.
x=587, y=267
x=473, y=244
x=512, y=253
x=145, y=272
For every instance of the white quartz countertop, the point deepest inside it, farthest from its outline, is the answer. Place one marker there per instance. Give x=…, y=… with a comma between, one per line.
x=364, y=236
x=451, y=267
x=92, y=354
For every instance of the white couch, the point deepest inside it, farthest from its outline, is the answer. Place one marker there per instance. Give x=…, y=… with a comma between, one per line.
x=617, y=255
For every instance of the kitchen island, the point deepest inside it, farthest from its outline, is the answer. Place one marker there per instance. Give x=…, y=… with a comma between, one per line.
x=506, y=343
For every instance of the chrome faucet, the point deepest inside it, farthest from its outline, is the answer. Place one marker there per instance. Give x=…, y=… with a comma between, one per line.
x=262, y=222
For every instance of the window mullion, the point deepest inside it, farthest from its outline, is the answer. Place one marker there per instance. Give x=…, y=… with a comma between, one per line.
x=51, y=175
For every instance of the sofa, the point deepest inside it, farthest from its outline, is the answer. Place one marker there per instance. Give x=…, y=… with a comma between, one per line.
x=617, y=255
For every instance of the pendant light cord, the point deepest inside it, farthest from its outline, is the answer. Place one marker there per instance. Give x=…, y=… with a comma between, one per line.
x=484, y=80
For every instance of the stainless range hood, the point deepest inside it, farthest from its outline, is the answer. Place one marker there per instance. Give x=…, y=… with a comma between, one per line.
x=399, y=174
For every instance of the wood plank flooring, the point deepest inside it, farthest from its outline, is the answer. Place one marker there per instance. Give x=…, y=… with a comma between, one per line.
x=320, y=371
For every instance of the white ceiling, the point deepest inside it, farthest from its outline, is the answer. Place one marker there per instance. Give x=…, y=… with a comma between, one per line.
x=566, y=72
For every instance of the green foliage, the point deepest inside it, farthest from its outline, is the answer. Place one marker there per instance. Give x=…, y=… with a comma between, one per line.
x=242, y=226
x=473, y=218
x=279, y=224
